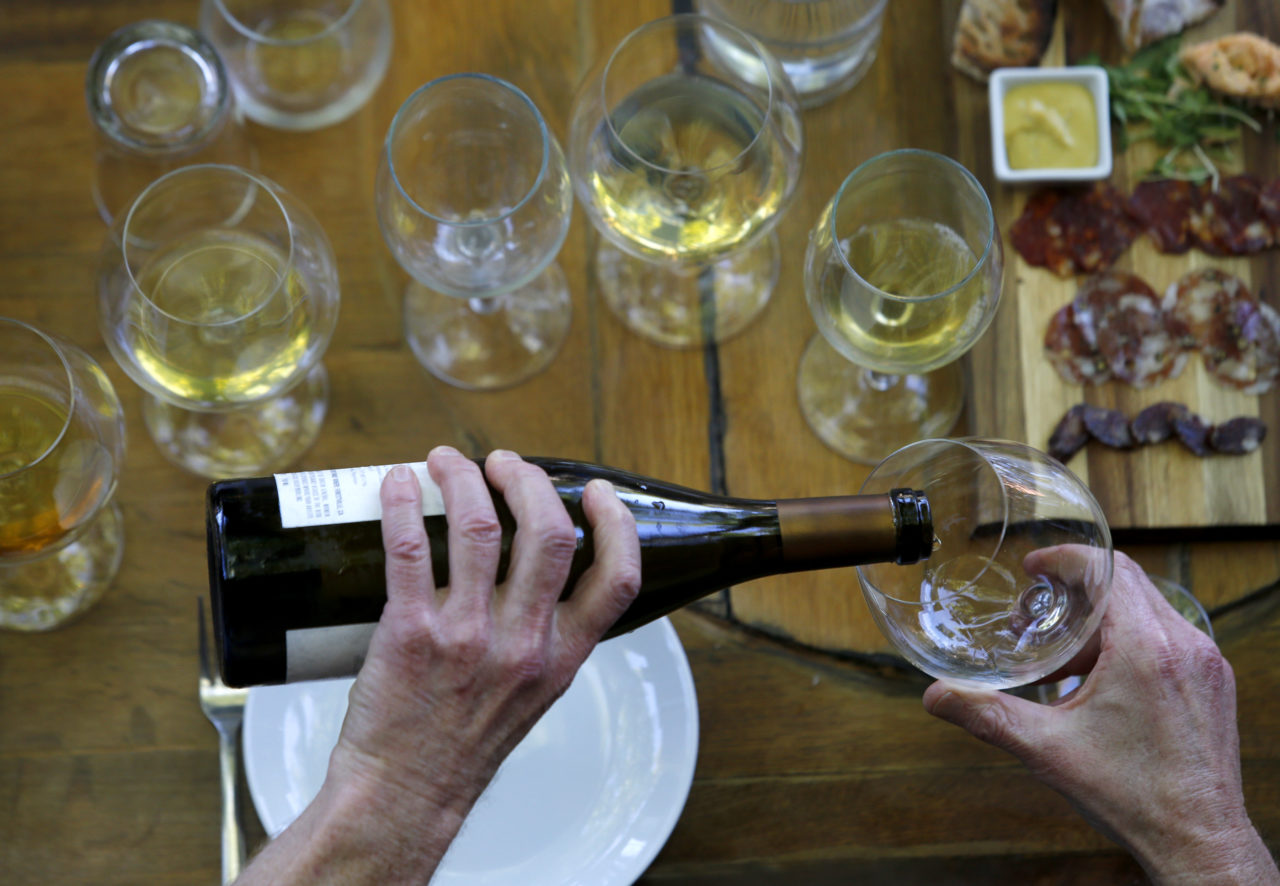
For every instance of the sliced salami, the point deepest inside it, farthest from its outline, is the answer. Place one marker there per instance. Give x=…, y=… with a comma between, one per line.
x=1073, y=231
x=1135, y=333
x=1076, y=360
x=1247, y=355
x=1237, y=335
x=1269, y=205
x=1229, y=220
x=1163, y=207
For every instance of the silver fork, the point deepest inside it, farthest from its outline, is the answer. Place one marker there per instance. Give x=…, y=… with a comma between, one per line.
x=224, y=706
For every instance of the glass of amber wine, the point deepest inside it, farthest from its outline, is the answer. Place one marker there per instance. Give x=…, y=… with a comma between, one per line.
x=902, y=276
x=61, y=448
x=218, y=293
x=1021, y=565
x=684, y=166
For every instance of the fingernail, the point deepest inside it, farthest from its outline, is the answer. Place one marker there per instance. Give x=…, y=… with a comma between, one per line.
x=602, y=484
x=444, y=450
x=504, y=455
x=401, y=474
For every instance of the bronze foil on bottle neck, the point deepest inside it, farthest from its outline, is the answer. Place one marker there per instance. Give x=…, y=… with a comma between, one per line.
x=848, y=530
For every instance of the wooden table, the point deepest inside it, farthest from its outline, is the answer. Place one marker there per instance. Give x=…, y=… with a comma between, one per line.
x=817, y=764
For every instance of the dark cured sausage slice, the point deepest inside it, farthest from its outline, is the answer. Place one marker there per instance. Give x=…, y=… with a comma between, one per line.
x=1070, y=436
x=1155, y=424
x=1238, y=436
x=1108, y=426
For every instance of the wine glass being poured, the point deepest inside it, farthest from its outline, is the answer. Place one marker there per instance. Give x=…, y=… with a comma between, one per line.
x=994, y=604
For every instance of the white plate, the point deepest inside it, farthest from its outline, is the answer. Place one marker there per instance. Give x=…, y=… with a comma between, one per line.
x=589, y=796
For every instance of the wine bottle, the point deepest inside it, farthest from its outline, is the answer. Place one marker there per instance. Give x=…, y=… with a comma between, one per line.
x=296, y=563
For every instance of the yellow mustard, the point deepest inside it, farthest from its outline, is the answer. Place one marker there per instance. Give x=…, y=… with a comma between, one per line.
x=1050, y=126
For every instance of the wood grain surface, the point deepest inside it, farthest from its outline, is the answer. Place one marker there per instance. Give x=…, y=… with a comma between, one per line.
x=816, y=763
x=1154, y=488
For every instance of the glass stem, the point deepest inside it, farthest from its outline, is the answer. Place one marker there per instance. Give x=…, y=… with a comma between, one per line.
x=489, y=304
x=879, y=381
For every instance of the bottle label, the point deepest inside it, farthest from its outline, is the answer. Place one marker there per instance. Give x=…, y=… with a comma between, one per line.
x=324, y=653
x=345, y=495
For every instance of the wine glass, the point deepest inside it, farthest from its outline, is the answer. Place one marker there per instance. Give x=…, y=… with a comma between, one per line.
x=218, y=293
x=685, y=167
x=300, y=64
x=474, y=202
x=825, y=46
x=990, y=607
x=62, y=442
x=158, y=99
x=902, y=276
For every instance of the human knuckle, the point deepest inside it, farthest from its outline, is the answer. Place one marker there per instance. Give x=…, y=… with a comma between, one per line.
x=467, y=642
x=407, y=543
x=524, y=662
x=480, y=527
x=990, y=723
x=556, y=536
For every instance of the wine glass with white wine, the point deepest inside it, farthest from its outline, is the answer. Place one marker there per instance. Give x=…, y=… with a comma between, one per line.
x=1020, y=571
x=61, y=447
x=902, y=276
x=685, y=166
x=218, y=293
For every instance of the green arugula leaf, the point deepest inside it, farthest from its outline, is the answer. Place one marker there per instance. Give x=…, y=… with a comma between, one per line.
x=1153, y=98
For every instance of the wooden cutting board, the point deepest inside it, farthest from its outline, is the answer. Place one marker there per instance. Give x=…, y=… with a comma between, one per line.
x=1152, y=490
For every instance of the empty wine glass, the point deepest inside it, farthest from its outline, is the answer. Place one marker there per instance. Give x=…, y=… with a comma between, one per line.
x=902, y=276
x=61, y=447
x=218, y=294
x=158, y=99
x=474, y=202
x=825, y=46
x=992, y=606
x=300, y=64
x=685, y=166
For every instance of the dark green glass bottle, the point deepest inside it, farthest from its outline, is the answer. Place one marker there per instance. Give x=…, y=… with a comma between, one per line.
x=298, y=602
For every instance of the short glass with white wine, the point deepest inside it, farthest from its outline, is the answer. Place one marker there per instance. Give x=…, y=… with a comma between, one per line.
x=218, y=293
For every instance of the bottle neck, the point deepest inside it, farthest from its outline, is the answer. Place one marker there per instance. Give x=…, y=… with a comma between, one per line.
x=848, y=530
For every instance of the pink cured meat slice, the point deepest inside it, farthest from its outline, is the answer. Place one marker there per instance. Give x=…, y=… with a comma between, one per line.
x=1076, y=360
x=1248, y=354
x=1132, y=328
x=1237, y=335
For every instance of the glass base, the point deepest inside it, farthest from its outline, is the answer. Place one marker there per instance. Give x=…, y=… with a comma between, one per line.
x=865, y=415
x=837, y=55
x=688, y=307
x=47, y=590
x=483, y=344
x=255, y=439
